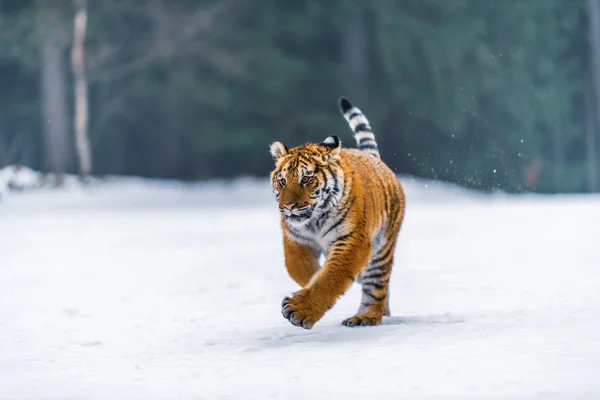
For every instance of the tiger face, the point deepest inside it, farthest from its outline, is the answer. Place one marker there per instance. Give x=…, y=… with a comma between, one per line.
x=305, y=177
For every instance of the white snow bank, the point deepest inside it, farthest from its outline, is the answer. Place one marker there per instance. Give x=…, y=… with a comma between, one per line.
x=19, y=178
x=138, y=192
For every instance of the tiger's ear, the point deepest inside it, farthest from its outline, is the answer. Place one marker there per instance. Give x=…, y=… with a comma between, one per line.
x=278, y=149
x=332, y=142
x=333, y=145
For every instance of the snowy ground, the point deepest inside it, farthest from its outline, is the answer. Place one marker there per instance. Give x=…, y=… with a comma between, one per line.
x=154, y=290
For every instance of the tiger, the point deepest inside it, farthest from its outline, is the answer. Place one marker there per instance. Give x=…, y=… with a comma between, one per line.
x=344, y=204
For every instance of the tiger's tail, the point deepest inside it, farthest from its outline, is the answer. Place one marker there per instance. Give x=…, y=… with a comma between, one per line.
x=365, y=139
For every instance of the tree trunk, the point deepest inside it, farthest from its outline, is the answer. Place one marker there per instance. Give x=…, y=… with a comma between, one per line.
x=54, y=40
x=558, y=157
x=591, y=123
x=593, y=8
x=82, y=143
x=171, y=149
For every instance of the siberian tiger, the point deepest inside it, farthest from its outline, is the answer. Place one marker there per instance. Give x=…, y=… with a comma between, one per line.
x=347, y=205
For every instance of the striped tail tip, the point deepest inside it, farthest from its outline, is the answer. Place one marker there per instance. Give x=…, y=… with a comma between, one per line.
x=363, y=134
x=345, y=105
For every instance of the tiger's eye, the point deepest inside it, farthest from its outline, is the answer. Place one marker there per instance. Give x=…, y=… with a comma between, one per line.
x=306, y=179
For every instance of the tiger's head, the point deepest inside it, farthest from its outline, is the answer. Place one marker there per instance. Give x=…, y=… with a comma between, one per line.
x=307, y=179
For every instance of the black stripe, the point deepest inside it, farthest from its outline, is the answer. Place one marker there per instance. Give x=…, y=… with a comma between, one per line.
x=297, y=235
x=341, y=238
x=395, y=209
x=376, y=285
x=368, y=146
x=326, y=188
x=335, y=179
x=386, y=201
x=323, y=218
x=383, y=256
x=302, y=161
x=323, y=177
x=342, y=218
x=331, y=174
x=375, y=276
x=365, y=140
x=327, y=203
x=381, y=267
x=354, y=115
x=371, y=295
x=333, y=191
x=293, y=164
x=338, y=223
x=362, y=128
x=340, y=248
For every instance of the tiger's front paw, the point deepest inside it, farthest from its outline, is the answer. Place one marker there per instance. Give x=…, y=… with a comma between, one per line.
x=302, y=309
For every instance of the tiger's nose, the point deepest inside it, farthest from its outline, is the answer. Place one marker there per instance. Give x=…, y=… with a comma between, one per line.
x=289, y=206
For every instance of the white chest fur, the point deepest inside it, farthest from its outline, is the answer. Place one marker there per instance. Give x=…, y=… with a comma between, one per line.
x=319, y=236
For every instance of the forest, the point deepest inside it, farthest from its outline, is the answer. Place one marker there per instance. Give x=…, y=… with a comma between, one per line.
x=498, y=94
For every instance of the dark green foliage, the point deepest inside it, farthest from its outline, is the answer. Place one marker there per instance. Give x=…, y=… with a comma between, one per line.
x=469, y=91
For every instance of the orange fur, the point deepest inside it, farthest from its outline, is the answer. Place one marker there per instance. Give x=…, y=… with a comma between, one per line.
x=356, y=227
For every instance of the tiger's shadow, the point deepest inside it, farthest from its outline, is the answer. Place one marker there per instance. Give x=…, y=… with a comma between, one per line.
x=338, y=335
x=424, y=320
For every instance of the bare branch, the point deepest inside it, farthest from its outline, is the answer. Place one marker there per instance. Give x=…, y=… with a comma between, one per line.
x=102, y=119
x=127, y=69
x=173, y=34
x=9, y=150
x=223, y=60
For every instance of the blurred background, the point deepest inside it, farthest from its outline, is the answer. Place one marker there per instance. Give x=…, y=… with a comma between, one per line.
x=498, y=94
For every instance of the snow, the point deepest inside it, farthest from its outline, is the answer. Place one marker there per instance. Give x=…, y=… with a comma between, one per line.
x=141, y=289
x=19, y=177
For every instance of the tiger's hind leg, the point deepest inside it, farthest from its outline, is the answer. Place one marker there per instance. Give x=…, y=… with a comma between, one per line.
x=375, y=294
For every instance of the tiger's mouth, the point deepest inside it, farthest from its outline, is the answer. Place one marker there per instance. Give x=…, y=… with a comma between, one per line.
x=298, y=214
